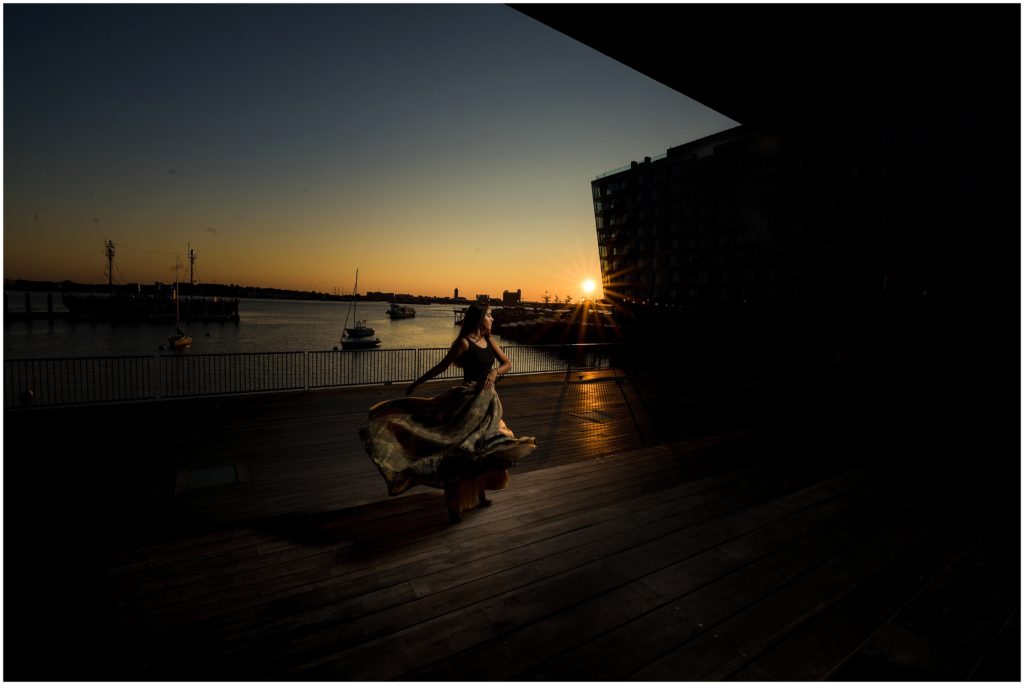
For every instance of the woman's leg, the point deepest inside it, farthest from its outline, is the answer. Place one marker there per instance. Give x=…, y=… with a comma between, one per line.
x=451, y=500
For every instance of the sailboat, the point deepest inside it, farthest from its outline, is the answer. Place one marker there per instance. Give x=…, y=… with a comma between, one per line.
x=178, y=340
x=357, y=337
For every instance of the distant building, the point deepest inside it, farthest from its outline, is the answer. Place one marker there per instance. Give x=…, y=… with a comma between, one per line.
x=739, y=219
x=510, y=299
x=456, y=296
x=483, y=298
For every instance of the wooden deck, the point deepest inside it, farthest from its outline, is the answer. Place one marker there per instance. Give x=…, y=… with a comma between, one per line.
x=622, y=550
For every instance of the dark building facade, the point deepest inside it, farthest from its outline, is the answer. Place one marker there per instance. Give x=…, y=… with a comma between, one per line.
x=852, y=254
x=512, y=299
x=743, y=220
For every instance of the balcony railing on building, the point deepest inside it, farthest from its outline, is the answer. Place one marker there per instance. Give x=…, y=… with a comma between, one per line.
x=92, y=380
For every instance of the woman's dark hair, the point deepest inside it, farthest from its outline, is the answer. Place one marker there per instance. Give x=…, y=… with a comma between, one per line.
x=471, y=323
x=474, y=316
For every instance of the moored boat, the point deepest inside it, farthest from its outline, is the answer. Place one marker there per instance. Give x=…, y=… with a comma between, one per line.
x=360, y=340
x=401, y=311
x=178, y=339
x=359, y=343
x=360, y=330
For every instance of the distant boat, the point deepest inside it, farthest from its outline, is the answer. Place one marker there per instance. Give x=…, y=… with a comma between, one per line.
x=359, y=343
x=178, y=339
x=401, y=311
x=357, y=337
x=360, y=330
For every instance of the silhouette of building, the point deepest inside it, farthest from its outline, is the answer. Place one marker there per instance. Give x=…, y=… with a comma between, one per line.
x=741, y=219
x=510, y=299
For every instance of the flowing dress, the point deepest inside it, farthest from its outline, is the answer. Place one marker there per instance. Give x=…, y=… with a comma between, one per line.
x=456, y=441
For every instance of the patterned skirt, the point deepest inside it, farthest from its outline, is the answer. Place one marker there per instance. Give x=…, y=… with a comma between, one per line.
x=456, y=439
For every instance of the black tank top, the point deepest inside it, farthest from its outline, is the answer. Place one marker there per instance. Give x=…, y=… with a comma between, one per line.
x=477, y=361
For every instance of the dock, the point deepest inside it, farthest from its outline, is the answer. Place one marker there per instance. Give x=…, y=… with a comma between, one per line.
x=251, y=538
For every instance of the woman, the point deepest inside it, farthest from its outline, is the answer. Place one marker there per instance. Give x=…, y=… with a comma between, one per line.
x=456, y=441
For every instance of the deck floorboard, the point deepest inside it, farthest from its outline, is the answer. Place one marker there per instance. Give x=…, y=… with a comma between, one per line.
x=761, y=552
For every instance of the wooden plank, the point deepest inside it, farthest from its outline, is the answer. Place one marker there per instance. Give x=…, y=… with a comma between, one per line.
x=729, y=644
x=189, y=573
x=821, y=644
x=310, y=570
x=179, y=577
x=611, y=564
x=1001, y=661
x=945, y=631
x=591, y=623
x=500, y=549
x=218, y=597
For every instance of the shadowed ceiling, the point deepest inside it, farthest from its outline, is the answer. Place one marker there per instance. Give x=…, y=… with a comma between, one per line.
x=791, y=67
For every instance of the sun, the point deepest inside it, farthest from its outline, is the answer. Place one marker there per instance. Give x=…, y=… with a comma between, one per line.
x=588, y=286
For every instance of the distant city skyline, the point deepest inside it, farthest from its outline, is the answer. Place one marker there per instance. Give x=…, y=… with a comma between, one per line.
x=429, y=146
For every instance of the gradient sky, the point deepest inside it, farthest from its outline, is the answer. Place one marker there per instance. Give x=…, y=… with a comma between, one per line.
x=431, y=146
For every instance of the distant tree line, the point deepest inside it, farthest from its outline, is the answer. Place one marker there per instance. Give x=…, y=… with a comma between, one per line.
x=232, y=291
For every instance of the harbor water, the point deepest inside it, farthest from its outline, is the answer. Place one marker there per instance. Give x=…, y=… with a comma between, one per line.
x=264, y=326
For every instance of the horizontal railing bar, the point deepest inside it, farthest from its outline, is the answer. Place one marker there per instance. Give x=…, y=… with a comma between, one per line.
x=90, y=380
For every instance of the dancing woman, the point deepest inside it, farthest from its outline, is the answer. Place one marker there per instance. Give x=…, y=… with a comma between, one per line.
x=457, y=440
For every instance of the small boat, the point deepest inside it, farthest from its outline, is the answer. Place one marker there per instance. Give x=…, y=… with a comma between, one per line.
x=360, y=330
x=401, y=311
x=359, y=343
x=178, y=339
x=357, y=337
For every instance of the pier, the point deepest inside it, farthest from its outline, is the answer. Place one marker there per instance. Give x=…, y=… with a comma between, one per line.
x=124, y=308
x=250, y=538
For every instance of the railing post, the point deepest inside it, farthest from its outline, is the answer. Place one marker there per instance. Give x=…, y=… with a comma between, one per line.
x=155, y=379
x=307, y=370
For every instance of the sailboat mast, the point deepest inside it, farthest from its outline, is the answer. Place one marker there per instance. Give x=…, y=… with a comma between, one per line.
x=355, y=296
x=110, y=263
x=351, y=305
x=176, y=311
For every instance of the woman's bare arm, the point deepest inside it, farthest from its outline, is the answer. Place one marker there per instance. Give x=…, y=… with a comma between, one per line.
x=459, y=346
x=502, y=369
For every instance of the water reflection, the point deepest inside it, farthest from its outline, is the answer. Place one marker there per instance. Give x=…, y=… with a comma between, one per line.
x=265, y=326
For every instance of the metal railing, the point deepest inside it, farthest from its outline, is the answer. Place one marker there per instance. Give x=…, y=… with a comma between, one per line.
x=92, y=380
